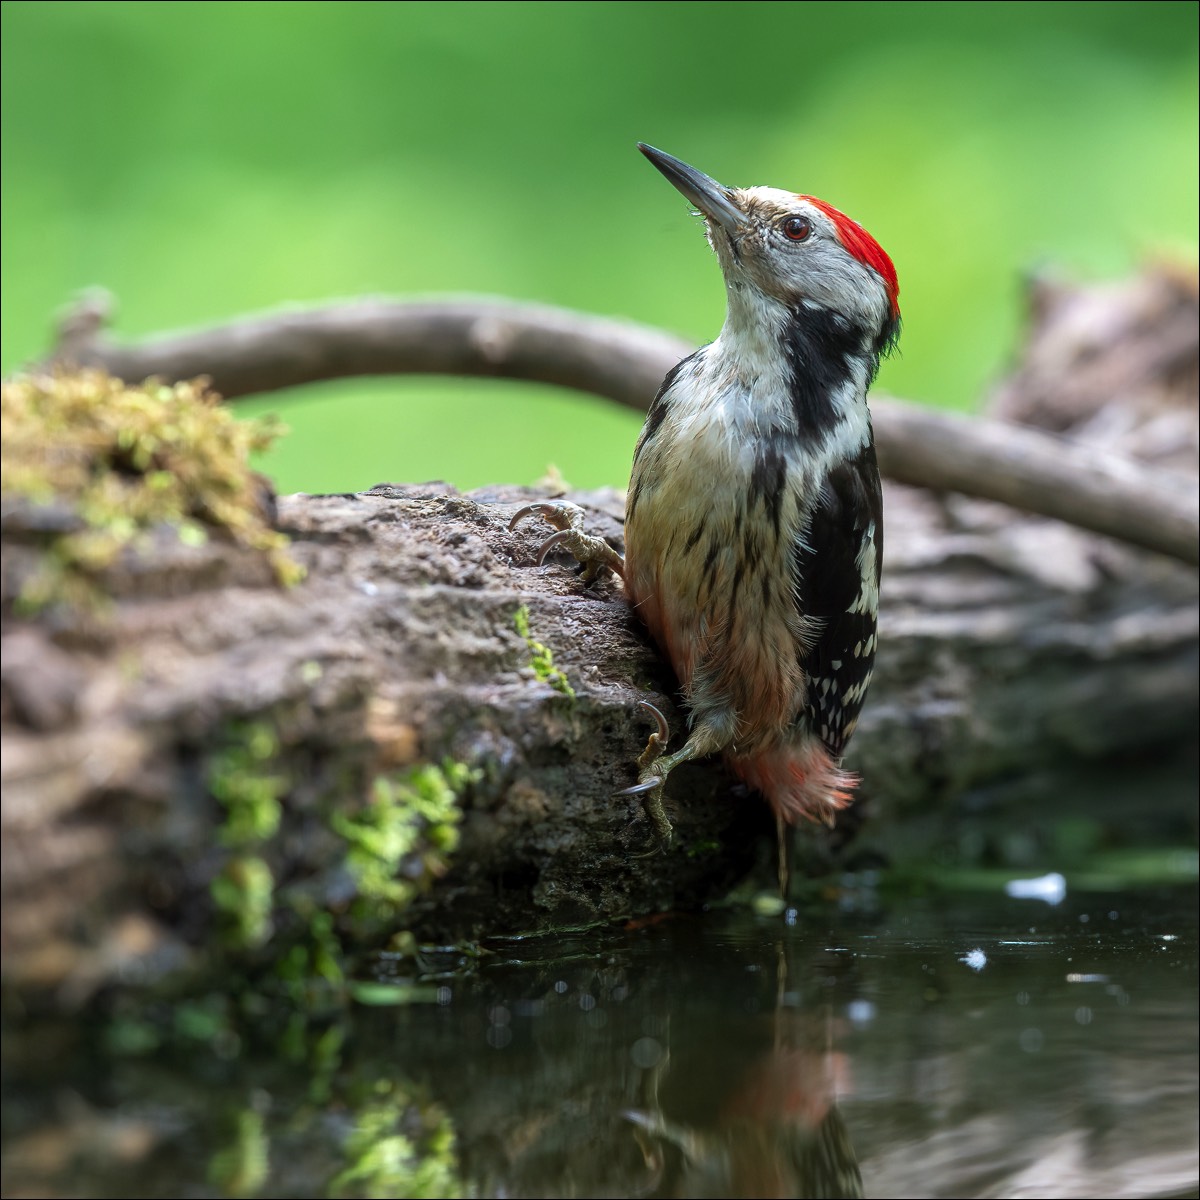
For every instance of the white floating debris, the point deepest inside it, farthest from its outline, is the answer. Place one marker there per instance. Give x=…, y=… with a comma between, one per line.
x=1050, y=888
x=861, y=1012
x=975, y=959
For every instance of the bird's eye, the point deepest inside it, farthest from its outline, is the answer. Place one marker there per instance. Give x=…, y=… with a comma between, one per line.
x=797, y=228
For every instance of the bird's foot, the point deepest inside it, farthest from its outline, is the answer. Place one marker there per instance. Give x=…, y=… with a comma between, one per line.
x=649, y=786
x=594, y=553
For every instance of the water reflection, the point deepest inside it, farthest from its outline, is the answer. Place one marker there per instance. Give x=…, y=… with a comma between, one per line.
x=996, y=1049
x=954, y=1050
x=777, y=1132
x=922, y=1049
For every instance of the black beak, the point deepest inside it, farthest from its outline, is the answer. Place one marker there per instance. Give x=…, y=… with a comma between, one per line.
x=713, y=200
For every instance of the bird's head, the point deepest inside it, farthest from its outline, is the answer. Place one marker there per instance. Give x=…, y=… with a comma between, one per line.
x=792, y=249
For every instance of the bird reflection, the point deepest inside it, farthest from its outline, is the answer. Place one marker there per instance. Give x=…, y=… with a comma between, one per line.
x=776, y=1133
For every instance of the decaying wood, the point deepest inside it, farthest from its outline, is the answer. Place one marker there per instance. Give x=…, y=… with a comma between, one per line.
x=1009, y=646
x=1104, y=491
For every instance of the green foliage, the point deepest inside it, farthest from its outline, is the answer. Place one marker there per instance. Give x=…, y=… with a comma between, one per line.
x=244, y=893
x=401, y=839
x=242, y=779
x=401, y=1145
x=311, y=971
x=245, y=779
x=396, y=844
x=126, y=461
x=541, y=657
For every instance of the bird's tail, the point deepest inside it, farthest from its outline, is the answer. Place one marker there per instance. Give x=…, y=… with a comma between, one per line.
x=800, y=779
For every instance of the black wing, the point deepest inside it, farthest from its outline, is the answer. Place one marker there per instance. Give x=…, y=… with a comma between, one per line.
x=837, y=564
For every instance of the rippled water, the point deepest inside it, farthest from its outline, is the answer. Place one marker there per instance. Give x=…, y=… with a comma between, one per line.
x=955, y=1047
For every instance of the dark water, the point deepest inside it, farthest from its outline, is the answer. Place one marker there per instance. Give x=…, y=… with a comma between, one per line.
x=954, y=1047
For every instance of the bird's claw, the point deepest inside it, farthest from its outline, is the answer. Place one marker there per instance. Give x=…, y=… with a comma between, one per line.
x=656, y=744
x=593, y=552
x=558, y=512
x=650, y=783
x=651, y=789
x=639, y=789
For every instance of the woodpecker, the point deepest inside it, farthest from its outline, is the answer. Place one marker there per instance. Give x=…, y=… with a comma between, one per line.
x=753, y=519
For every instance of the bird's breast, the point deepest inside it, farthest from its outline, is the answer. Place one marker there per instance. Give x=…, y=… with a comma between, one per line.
x=714, y=513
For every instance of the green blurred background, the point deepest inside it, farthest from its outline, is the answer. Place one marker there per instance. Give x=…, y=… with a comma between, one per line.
x=205, y=160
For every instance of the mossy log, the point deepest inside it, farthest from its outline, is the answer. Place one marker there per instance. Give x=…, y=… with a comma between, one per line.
x=427, y=733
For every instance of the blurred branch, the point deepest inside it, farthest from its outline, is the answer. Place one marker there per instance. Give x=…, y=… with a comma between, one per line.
x=1040, y=473
x=619, y=360
x=1029, y=469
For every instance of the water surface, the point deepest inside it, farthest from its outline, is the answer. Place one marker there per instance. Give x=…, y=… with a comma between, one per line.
x=930, y=1047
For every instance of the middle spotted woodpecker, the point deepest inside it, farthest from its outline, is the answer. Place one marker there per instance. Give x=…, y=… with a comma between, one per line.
x=753, y=522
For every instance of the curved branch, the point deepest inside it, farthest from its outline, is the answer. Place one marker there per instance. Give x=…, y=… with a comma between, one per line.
x=1023, y=467
x=619, y=360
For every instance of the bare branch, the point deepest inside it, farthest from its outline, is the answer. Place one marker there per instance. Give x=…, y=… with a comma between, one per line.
x=625, y=362
x=619, y=360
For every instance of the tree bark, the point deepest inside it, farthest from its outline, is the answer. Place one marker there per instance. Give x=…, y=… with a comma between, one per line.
x=1010, y=647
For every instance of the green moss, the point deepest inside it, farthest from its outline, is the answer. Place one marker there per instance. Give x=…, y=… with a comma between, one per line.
x=125, y=461
x=541, y=658
x=203, y=1020
x=129, y=1037
x=242, y=776
x=401, y=1145
x=315, y=960
x=244, y=893
x=400, y=841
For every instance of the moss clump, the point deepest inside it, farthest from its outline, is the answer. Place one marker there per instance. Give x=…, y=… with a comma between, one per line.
x=541, y=658
x=244, y=893
x=401, y=1145
x=313, y=965
x=400, y=841
x=127, y=460
x=242, y=778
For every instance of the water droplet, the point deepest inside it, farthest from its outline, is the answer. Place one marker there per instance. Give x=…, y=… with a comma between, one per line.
x=1032, y=1040
x=646, y=1053
x=861, y=1012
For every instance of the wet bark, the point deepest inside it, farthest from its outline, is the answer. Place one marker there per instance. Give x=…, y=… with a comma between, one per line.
x=1012, y=647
